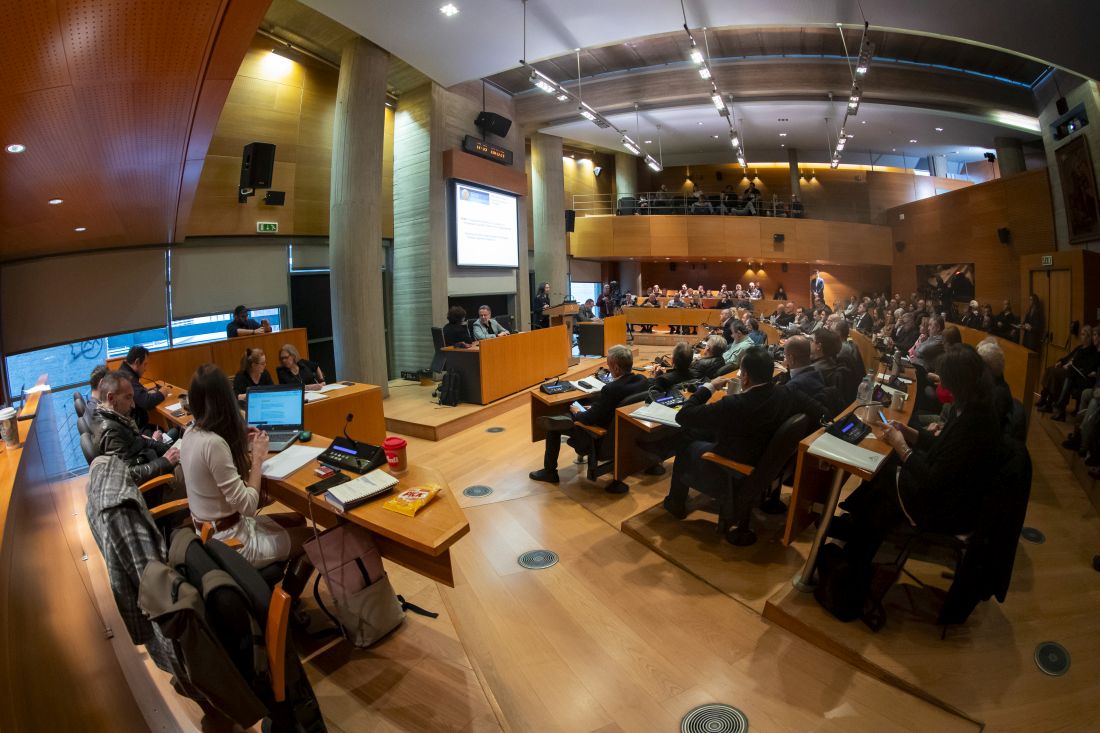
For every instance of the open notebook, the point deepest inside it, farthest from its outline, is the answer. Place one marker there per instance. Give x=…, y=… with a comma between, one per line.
x=360, y=490
x=829, y=446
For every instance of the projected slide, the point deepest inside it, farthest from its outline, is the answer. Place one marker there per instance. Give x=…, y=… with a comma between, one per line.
x=485, y=226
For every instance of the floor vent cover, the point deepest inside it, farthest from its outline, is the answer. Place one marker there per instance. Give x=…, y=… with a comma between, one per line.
x=714, y=718
x=1033, y=535
x=477, y=491
x=538, y=559
x=1052, y=658
x=494, y=430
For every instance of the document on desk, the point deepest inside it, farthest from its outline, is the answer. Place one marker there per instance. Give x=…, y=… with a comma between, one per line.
x=174, y=408
x=833, y=448
x=283, y=464
x=658, y=413
x=331, y=387
x=314, y=396
x=594, y=385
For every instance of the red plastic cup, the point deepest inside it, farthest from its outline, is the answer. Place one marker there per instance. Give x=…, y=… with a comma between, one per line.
x=395, y=454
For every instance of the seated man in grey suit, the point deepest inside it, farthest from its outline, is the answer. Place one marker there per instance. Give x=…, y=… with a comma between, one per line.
x=801, y=372
x=486, y=327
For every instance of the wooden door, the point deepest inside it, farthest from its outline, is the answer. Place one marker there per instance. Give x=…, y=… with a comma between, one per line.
x=1055, y=293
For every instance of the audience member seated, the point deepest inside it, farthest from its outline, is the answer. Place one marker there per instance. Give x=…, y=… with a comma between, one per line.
x=585, y=313
x=939, y=487
x=739, y=344
x=906, y=333
x=849, y=357
x=929, y=350
x=994, y=357
x=780, y=293
x=114, y=433
x=94, y=397
x=782, y=318
x=222, y=462
x=253, y=373
x=737, y=427
x=801, y=374
x=455, y=331
x=701, y=205
x=600, y=413
x=1055, y=377
x=1085, y=439
x=711, y=360
x=864, y=321
x=759, y=338
x=242, y=325
x=133, y=368
x=824, y=349
x=486, y=327
x=293, y=369
x=1080, y=370
x=973, y=316
x=665, y=379
x=676, y=301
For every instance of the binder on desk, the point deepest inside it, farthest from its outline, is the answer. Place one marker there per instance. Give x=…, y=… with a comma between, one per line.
x=833, y=448
x=361, y=490
x=658, y=413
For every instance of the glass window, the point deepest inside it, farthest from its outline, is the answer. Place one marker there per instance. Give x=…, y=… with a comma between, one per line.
x=202, y=329
x=581, y=292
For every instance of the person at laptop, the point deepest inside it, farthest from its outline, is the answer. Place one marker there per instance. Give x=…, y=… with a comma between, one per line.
x=293, y=369
x=486, y=327
x=253, y=373
x=242, y=325
x=222, y=463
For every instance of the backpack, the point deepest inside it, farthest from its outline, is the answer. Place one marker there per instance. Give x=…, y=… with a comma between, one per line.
x=450, y=389
x=841, y=585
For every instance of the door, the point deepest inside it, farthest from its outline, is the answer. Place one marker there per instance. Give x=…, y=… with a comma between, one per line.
x=1055, y=293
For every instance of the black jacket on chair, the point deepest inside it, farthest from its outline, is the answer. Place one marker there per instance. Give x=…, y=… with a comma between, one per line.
x=602, y=410
x=742, y=424
x=707, y=367
x=114, y=435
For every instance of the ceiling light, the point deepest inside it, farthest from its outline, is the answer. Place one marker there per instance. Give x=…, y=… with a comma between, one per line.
x=834, y=164
x=913, y=140
x=866, y=51
x=696, y=55
x=893, y=150
x=939, y=129
x=734, y=140
x=19, y=148
x=863, y=122
x=449, y=10
x=715, y=137
x=699, y=123
x=861, y=70
x=719, y=103
x=542, y=83
x=586, y=114
x=782, y=134
x=782, y=145
x=647, y=142
x=80, y=229
x=742, y=163
x=653, y=164
x=704, y=72
x=630, y=145
x=562, y=96
x=55, y=202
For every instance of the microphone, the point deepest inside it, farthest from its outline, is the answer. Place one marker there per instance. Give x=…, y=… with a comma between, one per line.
x=349, y=418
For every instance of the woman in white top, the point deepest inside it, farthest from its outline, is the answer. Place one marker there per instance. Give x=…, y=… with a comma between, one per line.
x=222, y=464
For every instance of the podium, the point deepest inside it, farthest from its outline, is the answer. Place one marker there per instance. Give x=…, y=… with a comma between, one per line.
x=564, y=314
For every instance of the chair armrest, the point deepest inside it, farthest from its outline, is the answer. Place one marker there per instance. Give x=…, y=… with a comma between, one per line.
x=727, y=463
x=155, y=482
x=596, y=430
x=207, y=530
x=278, y=619
x=168, y=507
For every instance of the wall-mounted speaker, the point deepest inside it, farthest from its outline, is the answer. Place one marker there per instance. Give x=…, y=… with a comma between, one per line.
x=1004, y=235
x=779, y=237
x=257, y=165
x=783, y=267
x=672, y=267
x=493, y=123
x=718, y=175
x=899, y=246
x=597, y=170
x=570, y=219
x=275, y=198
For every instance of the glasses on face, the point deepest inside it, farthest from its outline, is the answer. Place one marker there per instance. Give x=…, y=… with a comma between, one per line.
x=284, y=357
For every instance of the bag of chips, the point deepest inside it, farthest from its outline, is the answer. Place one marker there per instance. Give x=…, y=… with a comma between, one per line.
x=410, y=501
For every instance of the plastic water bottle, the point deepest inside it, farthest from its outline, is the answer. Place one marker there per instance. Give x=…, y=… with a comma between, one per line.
x=866, y=388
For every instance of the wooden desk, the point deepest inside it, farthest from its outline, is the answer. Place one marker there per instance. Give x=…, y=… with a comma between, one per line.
x=594, y=338
x=672, y=316
x=178, y=365
x=499, y=367
x=421, y=543
x=324, y=417
x=819, y=481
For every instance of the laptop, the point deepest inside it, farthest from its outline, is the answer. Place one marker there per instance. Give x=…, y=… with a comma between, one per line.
x=277, y=410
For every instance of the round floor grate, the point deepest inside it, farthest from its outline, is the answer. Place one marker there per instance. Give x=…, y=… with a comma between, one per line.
x=714, y=718
x=1052, y=658
x=477, y=491
x=494, y=430
x=538, y=559
x=1033, y=535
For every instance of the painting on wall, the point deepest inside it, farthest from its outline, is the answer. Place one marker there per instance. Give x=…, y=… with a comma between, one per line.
x=1079, y=190
x=947, y=282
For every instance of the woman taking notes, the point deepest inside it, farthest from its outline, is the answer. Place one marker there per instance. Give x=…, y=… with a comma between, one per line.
x=293, y=369
x=222, y=462
x=253, y=373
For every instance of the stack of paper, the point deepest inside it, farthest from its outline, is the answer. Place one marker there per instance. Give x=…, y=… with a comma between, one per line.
x=314, y=396
x=658, y=413
x=833, y=448
x=333, y=386
x=290, y=460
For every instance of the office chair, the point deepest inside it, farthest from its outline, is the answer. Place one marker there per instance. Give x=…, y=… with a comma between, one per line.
x=602, y=446
x=746, y=485
x=79, y=404
x=83, y=426
x=439, y=360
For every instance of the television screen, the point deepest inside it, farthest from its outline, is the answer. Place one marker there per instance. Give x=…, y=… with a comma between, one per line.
x=485, y=226
x=947, y=282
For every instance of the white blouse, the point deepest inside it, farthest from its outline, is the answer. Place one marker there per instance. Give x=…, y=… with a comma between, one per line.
x=214, y=487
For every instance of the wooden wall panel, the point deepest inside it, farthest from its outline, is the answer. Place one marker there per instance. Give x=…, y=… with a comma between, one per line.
x=631, y=236
x=668, y=235
x=961, y=226
x=742, y=236
x=865, y=243
x=706, y=236
x=592, y=237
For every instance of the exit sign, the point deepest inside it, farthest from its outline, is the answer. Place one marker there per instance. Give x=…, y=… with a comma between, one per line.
x=1048, y=260
x=267, y=227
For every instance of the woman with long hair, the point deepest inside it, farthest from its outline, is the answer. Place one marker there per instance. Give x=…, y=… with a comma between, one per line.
x=222, y=463
x=542, y=303
x=253, y=373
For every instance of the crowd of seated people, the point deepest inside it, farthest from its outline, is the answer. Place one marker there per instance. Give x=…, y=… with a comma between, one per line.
x=729, y=202
x=1085, y=438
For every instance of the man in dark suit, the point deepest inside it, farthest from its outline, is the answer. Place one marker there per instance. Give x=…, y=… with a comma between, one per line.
x=817, y=287
x=738, y=426
x=800, y=372
x=600, y=413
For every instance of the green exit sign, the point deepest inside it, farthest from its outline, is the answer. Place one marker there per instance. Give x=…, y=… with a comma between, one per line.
x=268, y=227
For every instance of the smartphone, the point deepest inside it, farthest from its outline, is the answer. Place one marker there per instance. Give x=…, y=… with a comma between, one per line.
x=578, y=405
x=882, y=417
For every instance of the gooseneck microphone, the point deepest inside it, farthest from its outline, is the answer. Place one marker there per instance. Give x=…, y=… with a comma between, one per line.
x=350, y=417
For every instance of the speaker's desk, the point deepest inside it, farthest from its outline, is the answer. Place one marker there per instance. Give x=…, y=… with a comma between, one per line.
x=421, y=543
x=502, y=366
x=325, y=415
x=594, y=338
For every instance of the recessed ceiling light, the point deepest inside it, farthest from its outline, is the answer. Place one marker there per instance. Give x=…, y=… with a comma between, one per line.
x=782, y=134
x=647, y=142
x=913, y=140
x=449, y=10
x=700, y=123
x=80, y=229
x=19, y=147
x=893, y=150
x=782, y=145
x=55, y=202
x=715, y=137
x=863, y=122
x=939, y=129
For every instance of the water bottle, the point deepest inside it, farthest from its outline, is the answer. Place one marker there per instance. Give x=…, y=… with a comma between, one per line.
x=866, y=388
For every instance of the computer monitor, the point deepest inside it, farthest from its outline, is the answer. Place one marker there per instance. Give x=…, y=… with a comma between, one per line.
x=278, y=407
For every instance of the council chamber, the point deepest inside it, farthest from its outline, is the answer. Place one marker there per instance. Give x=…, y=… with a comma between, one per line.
x=515, y=365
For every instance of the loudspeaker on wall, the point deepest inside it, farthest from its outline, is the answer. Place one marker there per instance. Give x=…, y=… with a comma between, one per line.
x=493, y=123
x=1004, y=235
x=570, y=219
x=257, y=165
x=899, y=246
x=778, y=237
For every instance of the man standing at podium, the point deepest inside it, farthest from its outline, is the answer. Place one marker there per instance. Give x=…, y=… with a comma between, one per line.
x=817, y=287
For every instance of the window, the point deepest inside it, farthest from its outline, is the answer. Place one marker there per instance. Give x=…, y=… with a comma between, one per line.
x=202, y=329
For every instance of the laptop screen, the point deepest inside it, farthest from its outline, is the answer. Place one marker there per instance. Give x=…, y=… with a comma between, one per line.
x=275, y=407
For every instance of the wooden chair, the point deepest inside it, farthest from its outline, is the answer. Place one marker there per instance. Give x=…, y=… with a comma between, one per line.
x=746, y=485
x=602, y=446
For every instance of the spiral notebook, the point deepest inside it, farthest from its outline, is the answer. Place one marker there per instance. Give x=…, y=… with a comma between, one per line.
x=360, y=490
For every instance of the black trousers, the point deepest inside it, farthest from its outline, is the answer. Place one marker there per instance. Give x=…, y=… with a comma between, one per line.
x=691, y=471
x=579, y=439
x=875, y=511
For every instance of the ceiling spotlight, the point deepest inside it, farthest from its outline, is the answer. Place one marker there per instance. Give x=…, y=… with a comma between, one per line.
x=562, y=96
x=742, y=163
x=782, y=134
x=15, y=148
x=653, y=164
x=782, y=145
x=80, y=229
x=696, y=55
x=863, y=122
x=586, y=114
x=834, y=164
x=704, y=72
x=734, y=140
x=699, y=123
x=543, y=83
x=939, y=129
x=913, y=140
x=647, y=142
x=449, y=10
x=715, y=137
x=55, y=202
x=630, y=145
x=719, y=103
x=866, y=51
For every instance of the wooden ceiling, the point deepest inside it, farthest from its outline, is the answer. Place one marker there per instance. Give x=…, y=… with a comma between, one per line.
x=115, y=101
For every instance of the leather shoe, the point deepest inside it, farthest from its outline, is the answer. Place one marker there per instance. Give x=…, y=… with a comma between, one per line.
x=676, y=509
x=741, y=537
x=543, y=474
x=556, y=423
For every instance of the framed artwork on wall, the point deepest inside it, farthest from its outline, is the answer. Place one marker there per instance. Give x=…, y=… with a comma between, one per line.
x=1079, y=190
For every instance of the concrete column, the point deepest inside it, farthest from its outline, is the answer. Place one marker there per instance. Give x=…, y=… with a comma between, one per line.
x=796, y=179
x=355, y=216
x=1010, y=154
x=626, y=175
x=548, y=204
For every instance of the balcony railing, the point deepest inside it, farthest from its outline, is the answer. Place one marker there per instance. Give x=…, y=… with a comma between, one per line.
x=665, y=202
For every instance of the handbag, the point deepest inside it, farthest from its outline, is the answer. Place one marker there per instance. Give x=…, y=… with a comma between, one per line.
x=365, y=606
